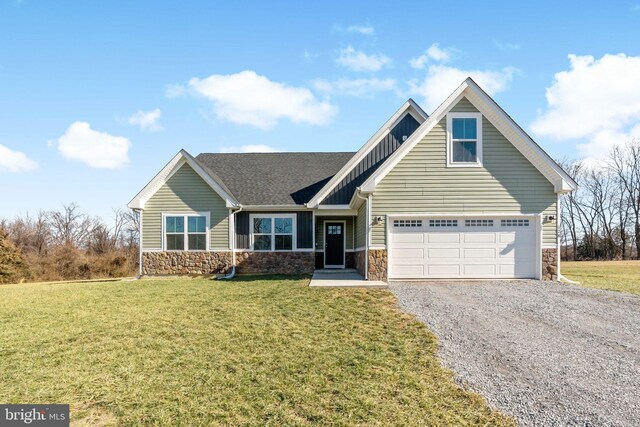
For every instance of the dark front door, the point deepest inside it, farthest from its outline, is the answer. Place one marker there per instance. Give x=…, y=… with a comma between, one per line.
x=334, y=244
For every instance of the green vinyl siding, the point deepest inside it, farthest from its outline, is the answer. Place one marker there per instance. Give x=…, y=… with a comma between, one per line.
x=422, y=183
x=361, y=226
x=185, y=192
x=320, y=220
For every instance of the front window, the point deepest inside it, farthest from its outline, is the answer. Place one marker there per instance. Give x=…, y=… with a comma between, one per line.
x=464, y=132
x=185, y=232
x=272, y=232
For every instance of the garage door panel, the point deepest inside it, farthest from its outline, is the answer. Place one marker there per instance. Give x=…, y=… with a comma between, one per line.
x=443, y=237
x=409, y=238
x=479, y=237
x=489, y=253
x=477, y=248
x=443, y=270
x=409, y=253
x=436, y=253
x=408, y=271
x=479, y=270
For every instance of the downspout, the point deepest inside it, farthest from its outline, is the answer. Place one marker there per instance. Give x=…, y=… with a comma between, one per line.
x=366, y=234
x=232, y=274
x=139, y=212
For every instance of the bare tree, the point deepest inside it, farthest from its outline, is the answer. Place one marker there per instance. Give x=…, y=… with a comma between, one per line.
x=71, y=227
x=625, y=163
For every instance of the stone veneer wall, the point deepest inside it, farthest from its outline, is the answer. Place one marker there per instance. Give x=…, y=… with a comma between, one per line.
x=161, y=263
x=359, y=261
x=378, y=264
x=550, y=264
x=275, y=262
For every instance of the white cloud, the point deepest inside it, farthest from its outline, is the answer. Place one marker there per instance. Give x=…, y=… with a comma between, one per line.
x=366, y=30
x=96, y=149
x=309, y=57
x=15, y=161
x=596, y=99
x=255, y=148
x=356, y=60
x=433, y=53
x=442, y=80
x=252, y=99
x=174, y=91
x=355, y=87
x=146, y=120
x=506, y=46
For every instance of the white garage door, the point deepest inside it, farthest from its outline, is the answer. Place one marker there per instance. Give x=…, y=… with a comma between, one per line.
x=462, y=248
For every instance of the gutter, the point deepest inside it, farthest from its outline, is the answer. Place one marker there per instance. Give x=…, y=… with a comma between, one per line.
x=139, y=212
x=232, y=274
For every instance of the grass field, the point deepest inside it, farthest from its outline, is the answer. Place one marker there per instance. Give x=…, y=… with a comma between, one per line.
x=254, y=351
x=623, y=276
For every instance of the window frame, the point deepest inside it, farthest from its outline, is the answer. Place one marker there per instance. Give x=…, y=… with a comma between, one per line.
x=273, y=233
x=450, y=140
x=186, y=233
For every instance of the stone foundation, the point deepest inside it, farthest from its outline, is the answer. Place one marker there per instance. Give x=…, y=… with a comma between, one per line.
x=550, y=264
x=359, y=261
x=378, y=264
x=275, y=262
x=167, y=263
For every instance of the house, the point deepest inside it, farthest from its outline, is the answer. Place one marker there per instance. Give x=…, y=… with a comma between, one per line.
x=462, y=193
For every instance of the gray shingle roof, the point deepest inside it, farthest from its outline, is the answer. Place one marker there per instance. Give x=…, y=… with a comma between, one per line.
x=273, y=178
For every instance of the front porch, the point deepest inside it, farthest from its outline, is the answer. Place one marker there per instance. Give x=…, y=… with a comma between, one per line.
x=342, y=278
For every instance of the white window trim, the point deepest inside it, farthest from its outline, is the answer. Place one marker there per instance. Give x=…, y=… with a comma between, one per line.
x=207, y=215
x=294, y=236
x=452, y=164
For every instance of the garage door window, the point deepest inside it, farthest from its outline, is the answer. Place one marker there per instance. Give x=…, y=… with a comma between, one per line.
x=478, y=223
x=407, y=223
x=443, y=223
x=514, y=222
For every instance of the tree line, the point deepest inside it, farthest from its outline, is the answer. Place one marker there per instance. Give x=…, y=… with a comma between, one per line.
x=601, y=219
x=68, y=244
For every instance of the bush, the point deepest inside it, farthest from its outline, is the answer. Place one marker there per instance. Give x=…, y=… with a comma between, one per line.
x=12, y=265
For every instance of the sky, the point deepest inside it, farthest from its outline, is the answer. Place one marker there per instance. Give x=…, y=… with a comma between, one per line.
x=96, y=97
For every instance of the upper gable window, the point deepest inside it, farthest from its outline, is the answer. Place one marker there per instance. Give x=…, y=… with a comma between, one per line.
x=464, y=139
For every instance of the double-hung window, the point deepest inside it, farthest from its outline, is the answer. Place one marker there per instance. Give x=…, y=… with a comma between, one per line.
x=185, y=232
x=272, y=232
x=464, y=139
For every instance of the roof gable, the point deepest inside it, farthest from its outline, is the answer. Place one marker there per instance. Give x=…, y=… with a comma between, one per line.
x=174, y=165
x=561, y=181
x=408, y=108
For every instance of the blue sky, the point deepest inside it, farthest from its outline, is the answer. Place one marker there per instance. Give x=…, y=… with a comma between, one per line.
x=95, y=97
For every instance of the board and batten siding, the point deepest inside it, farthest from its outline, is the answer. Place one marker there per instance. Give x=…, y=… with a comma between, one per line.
x=361, y=226
x=422, y=183
x=320, y=220
x=185, y=192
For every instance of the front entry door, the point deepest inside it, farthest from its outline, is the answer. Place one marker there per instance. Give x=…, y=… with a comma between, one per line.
x=334, y=244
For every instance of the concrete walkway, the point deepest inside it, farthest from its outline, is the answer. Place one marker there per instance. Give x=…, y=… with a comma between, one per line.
x=342, y=278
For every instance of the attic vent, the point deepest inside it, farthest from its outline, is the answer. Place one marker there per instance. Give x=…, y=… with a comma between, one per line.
x=404, y=138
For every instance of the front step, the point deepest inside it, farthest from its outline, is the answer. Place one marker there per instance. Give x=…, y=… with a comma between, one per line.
x=335, y=270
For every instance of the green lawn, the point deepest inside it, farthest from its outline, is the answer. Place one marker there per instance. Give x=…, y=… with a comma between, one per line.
x=623, y=276
x=254, y=351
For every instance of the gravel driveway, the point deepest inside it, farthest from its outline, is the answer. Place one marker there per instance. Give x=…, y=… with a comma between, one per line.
x=545, y=353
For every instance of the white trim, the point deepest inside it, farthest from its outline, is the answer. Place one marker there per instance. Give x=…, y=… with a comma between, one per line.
x=186, y=233
x=558, y=248
x=464, y=215
x=313, y=221
x=378, y=247
x=322, y=207
x=273, y=216
x=409, y=106
x=497, y=117
x=278, y=208
x=231, y=222
x=180, y=159
x=336, y=212
x=344, y=242
x=360, y=248
x=139, y=212
x=478, y=140
x=539, y=246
